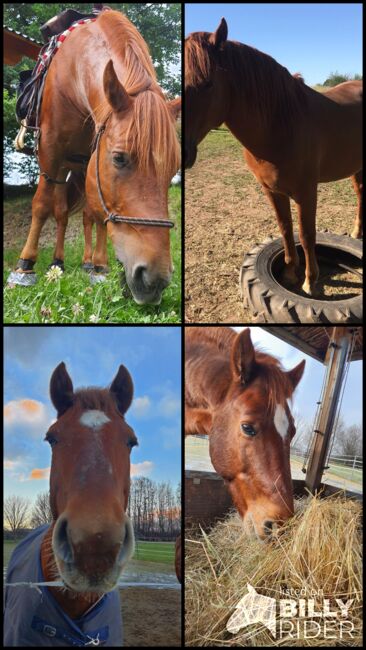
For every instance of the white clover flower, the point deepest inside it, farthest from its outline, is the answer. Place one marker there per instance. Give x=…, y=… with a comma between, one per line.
x=54, y=273
x=77, y=309
x=93, y=319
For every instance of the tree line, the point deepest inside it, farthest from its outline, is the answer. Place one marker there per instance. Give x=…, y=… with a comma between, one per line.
x=154, y=509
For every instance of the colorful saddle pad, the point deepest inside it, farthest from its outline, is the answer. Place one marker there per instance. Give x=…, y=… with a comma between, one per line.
x=32, y=617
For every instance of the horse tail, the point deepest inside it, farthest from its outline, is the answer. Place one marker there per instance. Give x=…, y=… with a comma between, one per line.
x=76, y=190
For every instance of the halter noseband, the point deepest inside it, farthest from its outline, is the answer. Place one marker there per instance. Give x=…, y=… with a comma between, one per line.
x=117, y=218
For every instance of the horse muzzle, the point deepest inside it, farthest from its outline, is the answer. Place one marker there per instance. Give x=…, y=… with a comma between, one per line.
x=146, y=286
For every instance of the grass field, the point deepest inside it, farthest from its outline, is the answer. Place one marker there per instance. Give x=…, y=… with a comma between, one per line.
x=72, y=299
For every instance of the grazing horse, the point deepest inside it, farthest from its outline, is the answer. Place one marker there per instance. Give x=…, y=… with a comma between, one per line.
x=293, y=136
x=178, y=558
x=238, y=396
x=91, y=537
x=102, y=103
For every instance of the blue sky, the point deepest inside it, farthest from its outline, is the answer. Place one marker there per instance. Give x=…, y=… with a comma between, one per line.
x=92, y=356
x=311, y=38
x=309, y=388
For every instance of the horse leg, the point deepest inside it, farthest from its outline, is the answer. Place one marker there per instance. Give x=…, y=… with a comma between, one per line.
x=42, y=207
x=196, y=421
x=357, y=184
x=62, y=216
x=100, y=257
x=281, y=205
x=306, y=207
x=88, y=240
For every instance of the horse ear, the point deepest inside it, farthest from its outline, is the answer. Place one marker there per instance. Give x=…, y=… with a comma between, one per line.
x=61, y=389
x=122, y=389
x=220, y=36
x=296, y=373
x=243, y=357
x=175, y=107
x=114, y=91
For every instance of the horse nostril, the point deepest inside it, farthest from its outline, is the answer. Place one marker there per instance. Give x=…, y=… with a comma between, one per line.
x=140, y=273
x=267, y=527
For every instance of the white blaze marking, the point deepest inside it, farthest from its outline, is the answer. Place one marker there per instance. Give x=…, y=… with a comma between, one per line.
x=94, y=419
x=281, y=421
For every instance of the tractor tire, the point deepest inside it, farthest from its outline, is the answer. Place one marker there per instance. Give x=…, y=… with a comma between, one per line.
x=270, y=302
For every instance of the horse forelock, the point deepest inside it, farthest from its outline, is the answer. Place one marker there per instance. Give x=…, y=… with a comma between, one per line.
x=94, y=399
x=197, y=61
x=151, y=128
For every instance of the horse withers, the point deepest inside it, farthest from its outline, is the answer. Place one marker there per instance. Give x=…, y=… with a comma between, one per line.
x=90, y=539
x=238, y=396
x=102, y=103
x=293, y=136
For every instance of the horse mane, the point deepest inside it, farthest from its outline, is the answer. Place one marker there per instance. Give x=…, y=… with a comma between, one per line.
x=268, y=87
x=152, y=130
x=269, y=369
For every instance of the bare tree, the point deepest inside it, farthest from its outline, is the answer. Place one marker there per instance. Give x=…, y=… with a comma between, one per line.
x=349, y=440
x=41, y=513
x=16, y=513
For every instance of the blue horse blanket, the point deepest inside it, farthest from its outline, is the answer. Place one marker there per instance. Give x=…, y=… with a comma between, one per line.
x=32, y=617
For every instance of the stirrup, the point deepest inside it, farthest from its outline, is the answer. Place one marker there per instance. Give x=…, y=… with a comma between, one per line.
x=19, y=140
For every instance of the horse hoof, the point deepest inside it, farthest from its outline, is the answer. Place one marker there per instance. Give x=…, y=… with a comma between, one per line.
x=88, y=266
x=95, y=278
x=310, y=290
x=21, y=279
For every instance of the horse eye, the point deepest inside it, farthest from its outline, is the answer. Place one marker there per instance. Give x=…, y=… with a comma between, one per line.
x=248, y=429
x=121, y=159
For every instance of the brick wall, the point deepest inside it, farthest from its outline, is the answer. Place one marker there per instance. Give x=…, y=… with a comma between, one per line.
x=206, y=498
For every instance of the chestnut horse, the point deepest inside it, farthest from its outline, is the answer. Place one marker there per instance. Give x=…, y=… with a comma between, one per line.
x=293, y=136
x=101, y=91
x=91, y=537
x=238, y=396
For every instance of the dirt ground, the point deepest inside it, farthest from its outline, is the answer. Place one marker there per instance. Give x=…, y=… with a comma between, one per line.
x=226, y=214
x=151, y=617
x=17, y=221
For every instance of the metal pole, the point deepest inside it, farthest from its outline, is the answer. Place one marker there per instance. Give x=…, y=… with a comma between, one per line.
x=336, y=362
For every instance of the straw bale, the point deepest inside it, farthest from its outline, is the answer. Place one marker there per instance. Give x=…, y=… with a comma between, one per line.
x=318, y=549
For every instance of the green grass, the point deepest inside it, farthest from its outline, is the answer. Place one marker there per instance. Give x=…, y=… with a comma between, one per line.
x=161, y=552
x=72, y=299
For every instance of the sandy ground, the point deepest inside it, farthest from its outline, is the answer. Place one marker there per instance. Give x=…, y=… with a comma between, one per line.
x=226, y=214
x=151, y=617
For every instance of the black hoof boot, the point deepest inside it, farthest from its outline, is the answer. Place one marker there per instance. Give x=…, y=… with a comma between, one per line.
x=58, y=263
x=88, y=266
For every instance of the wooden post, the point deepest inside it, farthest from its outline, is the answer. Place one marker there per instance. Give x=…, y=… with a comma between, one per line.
x=336, y=362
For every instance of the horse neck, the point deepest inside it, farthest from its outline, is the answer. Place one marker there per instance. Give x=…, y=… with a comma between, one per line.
x=208, y=376
x=74, y=605
x=262, y=130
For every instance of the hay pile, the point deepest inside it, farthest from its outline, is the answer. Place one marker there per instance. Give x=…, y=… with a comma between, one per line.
x=319, y=548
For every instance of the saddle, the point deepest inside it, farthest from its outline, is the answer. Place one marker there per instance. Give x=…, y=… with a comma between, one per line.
x=31, y=82
x=64, y=20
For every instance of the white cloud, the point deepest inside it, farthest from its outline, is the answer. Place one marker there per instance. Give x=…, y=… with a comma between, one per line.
x=169, y=406
x=142, y=469
x=140, y=406
x=28, y=413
